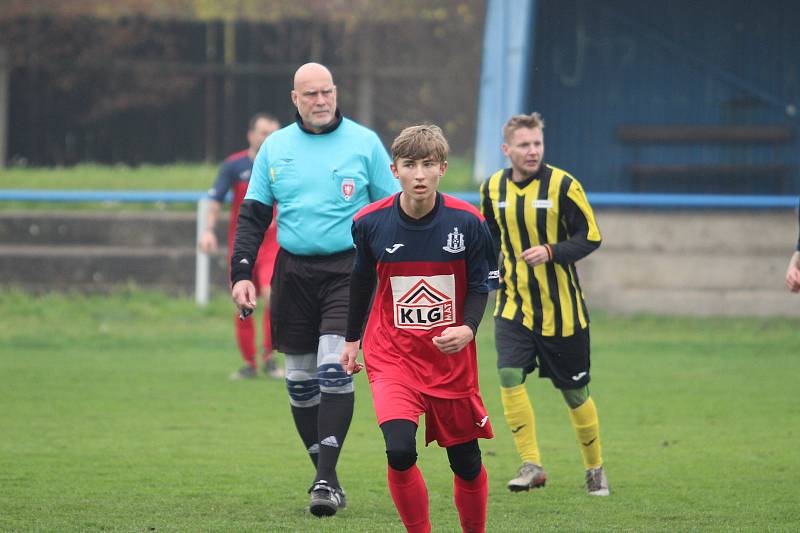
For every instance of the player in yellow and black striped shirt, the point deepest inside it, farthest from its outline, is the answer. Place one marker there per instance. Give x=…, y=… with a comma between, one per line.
x=542, y=223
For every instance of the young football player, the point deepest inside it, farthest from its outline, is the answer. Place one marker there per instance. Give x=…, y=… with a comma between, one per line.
x=433, y=259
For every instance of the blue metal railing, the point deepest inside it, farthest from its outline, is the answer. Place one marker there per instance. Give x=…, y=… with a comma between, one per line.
x=33, y=195
x=675, y=201
x=598, y=199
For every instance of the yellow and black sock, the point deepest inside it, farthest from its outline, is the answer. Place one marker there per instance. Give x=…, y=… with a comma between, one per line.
x=587, y=429
x=519, y=415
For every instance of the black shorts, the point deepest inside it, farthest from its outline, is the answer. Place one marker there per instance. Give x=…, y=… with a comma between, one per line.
x=309, y=298
x=565, y=360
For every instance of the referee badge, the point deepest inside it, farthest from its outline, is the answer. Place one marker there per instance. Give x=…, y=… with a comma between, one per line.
x=348, y=188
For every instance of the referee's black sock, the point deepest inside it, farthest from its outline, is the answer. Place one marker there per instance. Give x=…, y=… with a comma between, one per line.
x=305, y=420
x=335, y=414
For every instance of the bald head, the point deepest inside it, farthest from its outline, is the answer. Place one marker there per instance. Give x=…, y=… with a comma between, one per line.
x=314, y=96
x=311, y=72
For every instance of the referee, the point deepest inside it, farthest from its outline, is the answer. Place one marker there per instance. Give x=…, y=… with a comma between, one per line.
x=319, y=172
x=542, y=223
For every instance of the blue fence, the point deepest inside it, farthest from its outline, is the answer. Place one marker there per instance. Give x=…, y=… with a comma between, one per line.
x=31, y=195
x=599, y=199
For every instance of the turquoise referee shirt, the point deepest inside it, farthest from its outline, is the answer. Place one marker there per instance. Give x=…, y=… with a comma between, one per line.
x=319, y=182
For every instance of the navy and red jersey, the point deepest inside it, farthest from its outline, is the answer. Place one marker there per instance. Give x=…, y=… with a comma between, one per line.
x=234, y=176
x=424, y=273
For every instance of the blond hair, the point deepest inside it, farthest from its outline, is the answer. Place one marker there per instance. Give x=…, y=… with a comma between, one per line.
x=421, y=142
x=532, y=121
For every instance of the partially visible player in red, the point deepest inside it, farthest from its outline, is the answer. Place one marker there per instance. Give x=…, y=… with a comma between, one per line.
x=793, y=270
x=234, y=174
x=433, y=259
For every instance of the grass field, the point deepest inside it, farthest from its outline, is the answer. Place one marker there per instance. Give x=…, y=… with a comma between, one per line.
x=116, y=415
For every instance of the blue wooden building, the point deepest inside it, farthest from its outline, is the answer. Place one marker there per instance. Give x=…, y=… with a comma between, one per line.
x=659, y=96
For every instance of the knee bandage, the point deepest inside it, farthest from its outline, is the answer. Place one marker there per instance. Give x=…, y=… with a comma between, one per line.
x=330, y=373
x=401, y=459
x=465, y=460
x=301, y=380
x=401, y=443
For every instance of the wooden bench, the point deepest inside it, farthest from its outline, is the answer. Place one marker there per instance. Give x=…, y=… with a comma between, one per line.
x=770, y=134
x=704, y=135
x=641, y=174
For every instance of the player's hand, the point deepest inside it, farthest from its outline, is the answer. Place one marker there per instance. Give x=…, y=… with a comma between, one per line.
x=454, y=339
x=535, y=255
x=208, y=242
x=244, y=294
x=793, y=278
x=349, y=357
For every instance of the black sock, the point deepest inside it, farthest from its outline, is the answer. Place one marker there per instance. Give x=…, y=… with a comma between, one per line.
x=335, y=414
x=305, y=420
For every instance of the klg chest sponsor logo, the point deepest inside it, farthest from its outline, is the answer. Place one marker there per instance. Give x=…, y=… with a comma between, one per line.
x=423, y=302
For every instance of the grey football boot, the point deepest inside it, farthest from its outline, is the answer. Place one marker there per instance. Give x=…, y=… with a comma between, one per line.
x=529, y=476
x=597, y=482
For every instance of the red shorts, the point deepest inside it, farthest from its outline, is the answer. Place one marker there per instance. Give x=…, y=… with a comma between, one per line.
x=265, y=262
x=448, y=421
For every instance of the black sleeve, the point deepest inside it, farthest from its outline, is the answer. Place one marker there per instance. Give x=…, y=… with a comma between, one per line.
x=253, y=221
x=482, y=274
x=362, y=282
x=362, y=285
x=577, y=246
x=474, y=306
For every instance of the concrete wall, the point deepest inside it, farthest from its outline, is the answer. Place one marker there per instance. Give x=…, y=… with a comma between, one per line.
x=692, y=262
x=97, y=252
x=673, y=262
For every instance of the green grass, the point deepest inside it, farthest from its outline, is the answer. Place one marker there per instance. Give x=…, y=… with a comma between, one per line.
x=116, y=415
x=178, y=177
x=182, y=176
x=458, y=176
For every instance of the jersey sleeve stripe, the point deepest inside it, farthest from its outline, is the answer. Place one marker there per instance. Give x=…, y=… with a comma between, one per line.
x=375, y=206
x=455, y=203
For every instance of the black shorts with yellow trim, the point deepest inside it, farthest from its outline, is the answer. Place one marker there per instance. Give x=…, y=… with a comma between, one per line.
x=564, y=360
x=309, y=298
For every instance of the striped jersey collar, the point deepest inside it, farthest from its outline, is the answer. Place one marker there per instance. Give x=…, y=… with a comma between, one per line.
x=540, y=174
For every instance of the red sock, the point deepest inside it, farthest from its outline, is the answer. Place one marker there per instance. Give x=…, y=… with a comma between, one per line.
x=411, y=498
x=267, y=355
x=470, y=498
x=246, y=339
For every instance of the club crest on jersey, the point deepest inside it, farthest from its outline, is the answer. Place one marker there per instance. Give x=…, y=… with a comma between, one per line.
x=455, y=242
x=423, y=302
x=348, y=188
